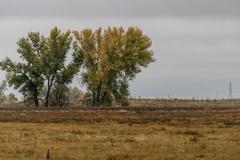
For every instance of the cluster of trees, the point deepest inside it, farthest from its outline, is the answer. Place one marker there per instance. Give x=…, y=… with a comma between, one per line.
x=6, y=99
x=105, y=60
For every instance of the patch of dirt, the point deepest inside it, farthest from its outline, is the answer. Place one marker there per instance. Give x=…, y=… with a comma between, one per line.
x=226, y=115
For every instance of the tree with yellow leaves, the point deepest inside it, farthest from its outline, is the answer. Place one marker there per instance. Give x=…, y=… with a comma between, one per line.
x=110, y=59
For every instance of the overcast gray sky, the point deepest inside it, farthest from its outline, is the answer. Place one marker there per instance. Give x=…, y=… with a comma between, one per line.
x=196, y=42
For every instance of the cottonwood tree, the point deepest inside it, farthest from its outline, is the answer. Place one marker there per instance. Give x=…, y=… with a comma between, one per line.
x=43, y=63
x=111, y=58
x=27, y=75
x=56, y=72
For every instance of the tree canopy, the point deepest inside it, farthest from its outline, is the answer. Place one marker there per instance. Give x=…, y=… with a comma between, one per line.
x=111, y=58
x=43, y=63
x=27, y=75
x=108, y=60
x=54, y=60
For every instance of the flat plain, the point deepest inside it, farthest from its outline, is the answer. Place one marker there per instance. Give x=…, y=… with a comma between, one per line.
x=133, y=133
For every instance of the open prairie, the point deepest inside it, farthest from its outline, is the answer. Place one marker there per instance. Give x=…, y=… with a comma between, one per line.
x=133, y=133
x=119, y=80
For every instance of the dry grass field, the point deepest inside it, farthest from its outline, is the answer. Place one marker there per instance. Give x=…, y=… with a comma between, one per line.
x=119, y=141
x=185, y=102
x=134, y=133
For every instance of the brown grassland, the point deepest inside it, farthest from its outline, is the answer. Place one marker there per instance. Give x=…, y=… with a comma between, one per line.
x=194, y=132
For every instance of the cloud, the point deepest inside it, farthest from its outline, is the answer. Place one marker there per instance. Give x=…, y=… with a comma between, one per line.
x=121, y=8
x=196, y=42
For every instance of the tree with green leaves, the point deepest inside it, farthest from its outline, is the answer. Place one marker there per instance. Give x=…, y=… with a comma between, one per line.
x=59, y=95
x=56, y=72
x=27, y=75
x=110, y=59
x=43, y=63
x=62, y=94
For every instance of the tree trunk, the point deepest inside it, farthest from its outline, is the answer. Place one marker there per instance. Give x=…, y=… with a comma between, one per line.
x=49, y=87
x=35, y=97
x=98, y=98
x=93, y=99
x=99, y=90
x=47, y=97
x=102, y=101
x=36, y=102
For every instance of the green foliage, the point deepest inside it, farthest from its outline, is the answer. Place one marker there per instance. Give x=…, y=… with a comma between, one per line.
x=12, y=99
x=6, y=99
x=3, y=86
x=43, y=63
x=54, y=57
x=59, y=95
x=27, y=75
x=62, y=94
x=110, y=60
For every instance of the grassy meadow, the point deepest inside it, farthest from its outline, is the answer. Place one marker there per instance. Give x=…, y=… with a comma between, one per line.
x=119, y=141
